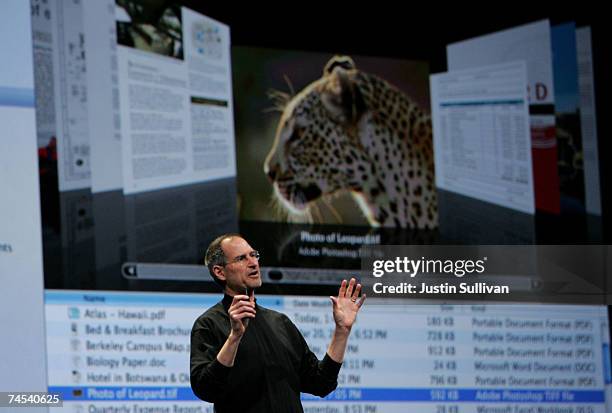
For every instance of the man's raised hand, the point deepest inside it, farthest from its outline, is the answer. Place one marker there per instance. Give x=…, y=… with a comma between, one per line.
x=347, y=304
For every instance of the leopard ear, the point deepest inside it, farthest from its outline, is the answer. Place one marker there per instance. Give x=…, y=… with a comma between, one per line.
x=344, y=62
x=339, y=91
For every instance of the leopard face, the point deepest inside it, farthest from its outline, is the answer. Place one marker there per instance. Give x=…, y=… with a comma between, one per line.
x=352, y=131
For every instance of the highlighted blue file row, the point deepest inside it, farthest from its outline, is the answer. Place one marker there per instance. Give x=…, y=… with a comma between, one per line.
x=123, y=393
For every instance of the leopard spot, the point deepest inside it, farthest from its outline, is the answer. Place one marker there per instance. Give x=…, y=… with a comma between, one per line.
x=416, y=207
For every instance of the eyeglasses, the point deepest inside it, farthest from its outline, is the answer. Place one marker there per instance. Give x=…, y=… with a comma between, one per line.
x=243, y=258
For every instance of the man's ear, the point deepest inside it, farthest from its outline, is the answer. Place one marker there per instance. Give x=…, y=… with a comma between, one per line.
x=339, y=91
x=218, y=272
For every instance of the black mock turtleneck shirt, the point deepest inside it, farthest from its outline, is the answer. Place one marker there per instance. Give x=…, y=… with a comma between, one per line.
x=272, y=366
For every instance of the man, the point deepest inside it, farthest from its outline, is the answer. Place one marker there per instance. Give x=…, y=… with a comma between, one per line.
x=246, y=358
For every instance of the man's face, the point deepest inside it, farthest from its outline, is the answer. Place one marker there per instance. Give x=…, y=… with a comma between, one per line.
x=242, y=269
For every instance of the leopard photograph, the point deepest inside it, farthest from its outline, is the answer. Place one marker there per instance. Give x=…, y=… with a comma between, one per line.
x=348, y=143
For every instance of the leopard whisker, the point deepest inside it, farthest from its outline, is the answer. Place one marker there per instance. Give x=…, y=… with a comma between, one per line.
x=333, y=210
x=317, y=212
x=291, y=89
x=280, y=99
x=278, y=211
x=284, y=213
x=271, y=109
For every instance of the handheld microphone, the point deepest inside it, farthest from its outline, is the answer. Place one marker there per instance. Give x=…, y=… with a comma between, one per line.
x=248, y=291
